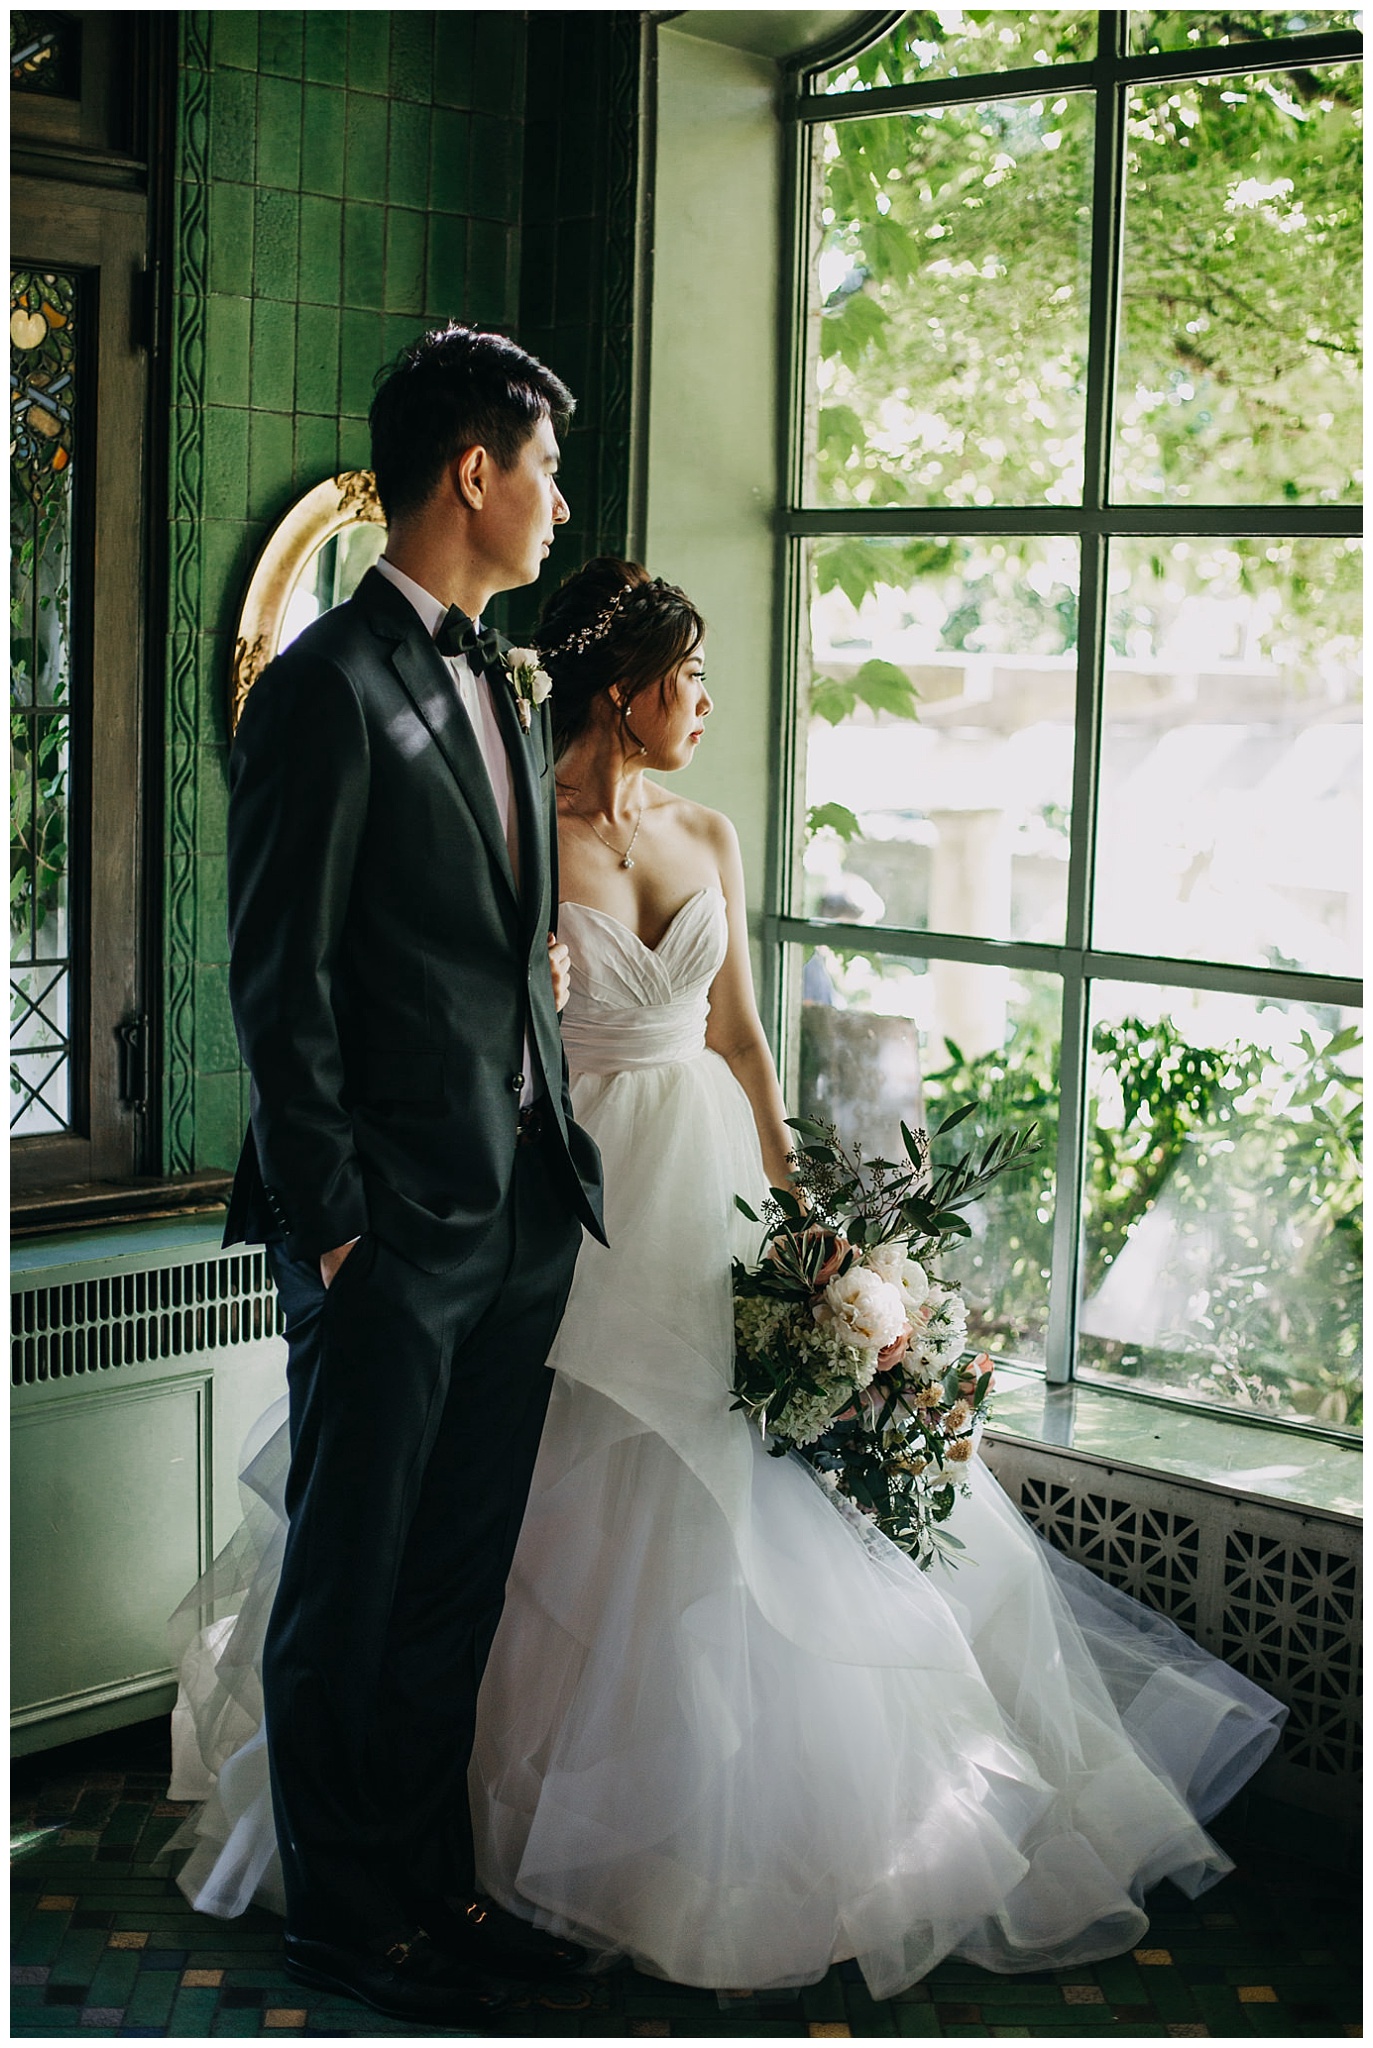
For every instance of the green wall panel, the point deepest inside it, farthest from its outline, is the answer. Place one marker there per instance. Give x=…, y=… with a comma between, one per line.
x=344, y=180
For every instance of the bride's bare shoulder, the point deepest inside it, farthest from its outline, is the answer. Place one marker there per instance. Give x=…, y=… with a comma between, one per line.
x=713, y=828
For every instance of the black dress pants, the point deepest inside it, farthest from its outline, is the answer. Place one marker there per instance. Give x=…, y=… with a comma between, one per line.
x=417, y=1401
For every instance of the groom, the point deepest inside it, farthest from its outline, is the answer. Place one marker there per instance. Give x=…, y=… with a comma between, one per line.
x=414, y=1169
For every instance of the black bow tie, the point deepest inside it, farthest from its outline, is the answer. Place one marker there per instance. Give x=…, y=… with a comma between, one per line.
x=458, y=635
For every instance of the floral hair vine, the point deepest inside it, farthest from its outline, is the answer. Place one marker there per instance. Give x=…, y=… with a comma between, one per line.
x=587, y=636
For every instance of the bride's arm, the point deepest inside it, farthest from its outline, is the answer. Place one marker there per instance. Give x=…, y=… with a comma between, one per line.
x=734, y=1029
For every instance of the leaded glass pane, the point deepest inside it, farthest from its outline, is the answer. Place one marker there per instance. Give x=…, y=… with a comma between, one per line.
x=949, y=301
x=1223, y=1245
x=882, y=1039
x=1240, y=365
x=961, y=42
x=1195, y=28
x=45, y=54
x=1231, y=779
x=43, y=392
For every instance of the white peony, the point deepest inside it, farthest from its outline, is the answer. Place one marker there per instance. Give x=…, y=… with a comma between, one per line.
x=887, y=1260
x=522, y=657
x=862, y=1309
x=540, y=684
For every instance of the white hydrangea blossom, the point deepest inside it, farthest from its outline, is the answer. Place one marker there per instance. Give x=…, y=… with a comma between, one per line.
x=942, y=1333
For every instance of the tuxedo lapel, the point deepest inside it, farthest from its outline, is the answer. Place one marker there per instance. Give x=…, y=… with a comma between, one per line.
x=432, y=691
x=519, y=747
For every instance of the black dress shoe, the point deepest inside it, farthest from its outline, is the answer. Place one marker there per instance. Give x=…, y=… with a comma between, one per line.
x=484, y=1936
x=411, y=1980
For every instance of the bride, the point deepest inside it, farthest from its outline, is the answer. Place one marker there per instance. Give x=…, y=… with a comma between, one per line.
x=724, y=1732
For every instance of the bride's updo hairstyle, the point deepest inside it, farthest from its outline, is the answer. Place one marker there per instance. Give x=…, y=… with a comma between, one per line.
x=611, y=622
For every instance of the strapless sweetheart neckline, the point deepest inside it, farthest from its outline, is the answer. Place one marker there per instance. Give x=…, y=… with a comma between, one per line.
x=608, y=917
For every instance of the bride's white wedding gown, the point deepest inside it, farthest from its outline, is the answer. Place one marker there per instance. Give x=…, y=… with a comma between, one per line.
x=724, y=1731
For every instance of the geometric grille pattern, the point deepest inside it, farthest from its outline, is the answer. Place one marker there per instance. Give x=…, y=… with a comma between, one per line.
x=1146, y=1552
x=1291, y=1618
x=1274, y=1590
x=99, y=1325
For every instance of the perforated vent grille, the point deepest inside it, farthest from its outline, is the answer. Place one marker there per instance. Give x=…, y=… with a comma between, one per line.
x=96, y=1326
x=1144, y=1551
x=1291, y=1622
x=1274, y=1591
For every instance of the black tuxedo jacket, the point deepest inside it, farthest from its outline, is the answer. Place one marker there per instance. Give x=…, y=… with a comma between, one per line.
x=384, y=965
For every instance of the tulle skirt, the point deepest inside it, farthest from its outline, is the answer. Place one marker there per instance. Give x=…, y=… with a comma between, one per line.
x=725, y=1730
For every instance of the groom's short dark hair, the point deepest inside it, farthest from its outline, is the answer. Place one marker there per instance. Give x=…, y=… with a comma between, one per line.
x=456, y=388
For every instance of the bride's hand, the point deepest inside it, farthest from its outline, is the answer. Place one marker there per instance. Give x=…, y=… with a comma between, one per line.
x=560, y=967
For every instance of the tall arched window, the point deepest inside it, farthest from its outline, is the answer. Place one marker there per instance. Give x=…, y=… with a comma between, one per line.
x=1072, y=744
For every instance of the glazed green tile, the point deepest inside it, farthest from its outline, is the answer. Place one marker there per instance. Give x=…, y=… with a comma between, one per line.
x=488, y=260
x=316, y=449
x=407, y=168
x=326, y=46
x=78, y=1953
x=39, y=1940
x=917, y=2022
x=114, y=1977
x=192, y=2011
x=368, y=50
x=364, y=163
x=278, y=132
x=228, y=547
x=212, y=800
x=211, y=908
x=317, y=332
x=323, y=122
x=1122, y=1981
x=321, y=250
x=1171, y=1995
x=454, y=41
x=274, y=351
x=354, y=444
x=823, y=2003
x=231, y=239
x=450, y=161
x=412, y=55
x=405, y=247
x=233, y=125
x=276, y=252
x=364, y=256
x=280, y=41
x=226, y=350
x=234, y=2024
x=498, y=63
x=1015, y=1991
x=225, y=461
x=446, y=267
x=398, y=331
x=495, y=168
x=216, y=1048
x=271, y=463
x=235, y=37
x=360, y=356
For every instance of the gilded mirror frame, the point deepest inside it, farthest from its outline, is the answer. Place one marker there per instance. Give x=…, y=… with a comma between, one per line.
x=330, y=508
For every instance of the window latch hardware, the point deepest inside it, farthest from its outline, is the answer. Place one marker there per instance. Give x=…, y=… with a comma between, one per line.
x=133, y=1061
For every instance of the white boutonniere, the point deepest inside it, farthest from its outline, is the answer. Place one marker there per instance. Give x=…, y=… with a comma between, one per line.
x=528, y=682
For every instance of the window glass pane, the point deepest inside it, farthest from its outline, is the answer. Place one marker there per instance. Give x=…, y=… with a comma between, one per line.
x=957, y=42
x=881, y=1039
x=1223, y=1239
x=939, y=735
x=949, y=292
x=45, y=54
x=43, y=323
x=1192, y=28
x=1239, y=378
x=1231, y=774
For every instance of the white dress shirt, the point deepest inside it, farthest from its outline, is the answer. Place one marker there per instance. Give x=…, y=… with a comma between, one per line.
x=474, y=692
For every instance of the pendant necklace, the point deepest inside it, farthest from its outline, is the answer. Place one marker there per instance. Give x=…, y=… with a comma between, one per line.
x=623, y=858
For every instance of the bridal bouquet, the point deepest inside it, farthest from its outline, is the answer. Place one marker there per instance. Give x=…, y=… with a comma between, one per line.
x=850, y=1345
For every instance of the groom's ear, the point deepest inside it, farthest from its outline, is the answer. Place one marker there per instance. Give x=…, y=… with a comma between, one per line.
x=471, y=474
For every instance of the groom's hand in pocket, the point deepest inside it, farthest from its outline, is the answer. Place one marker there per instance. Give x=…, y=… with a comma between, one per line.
x=560, y=967
x=329, y=1262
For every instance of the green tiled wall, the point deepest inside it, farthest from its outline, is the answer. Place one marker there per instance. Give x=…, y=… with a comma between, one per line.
x=344, y=179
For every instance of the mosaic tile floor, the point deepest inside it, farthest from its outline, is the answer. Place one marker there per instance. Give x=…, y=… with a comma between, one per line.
x=103, y=1943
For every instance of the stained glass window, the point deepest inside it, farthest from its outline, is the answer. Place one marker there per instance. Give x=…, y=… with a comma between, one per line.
x=43, y=397
x=45, y=55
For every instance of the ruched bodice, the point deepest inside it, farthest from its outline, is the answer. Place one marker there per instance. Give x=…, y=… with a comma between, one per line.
x=634, y=1005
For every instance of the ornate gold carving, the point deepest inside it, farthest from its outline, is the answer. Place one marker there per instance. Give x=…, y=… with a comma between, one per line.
x=343, y=501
